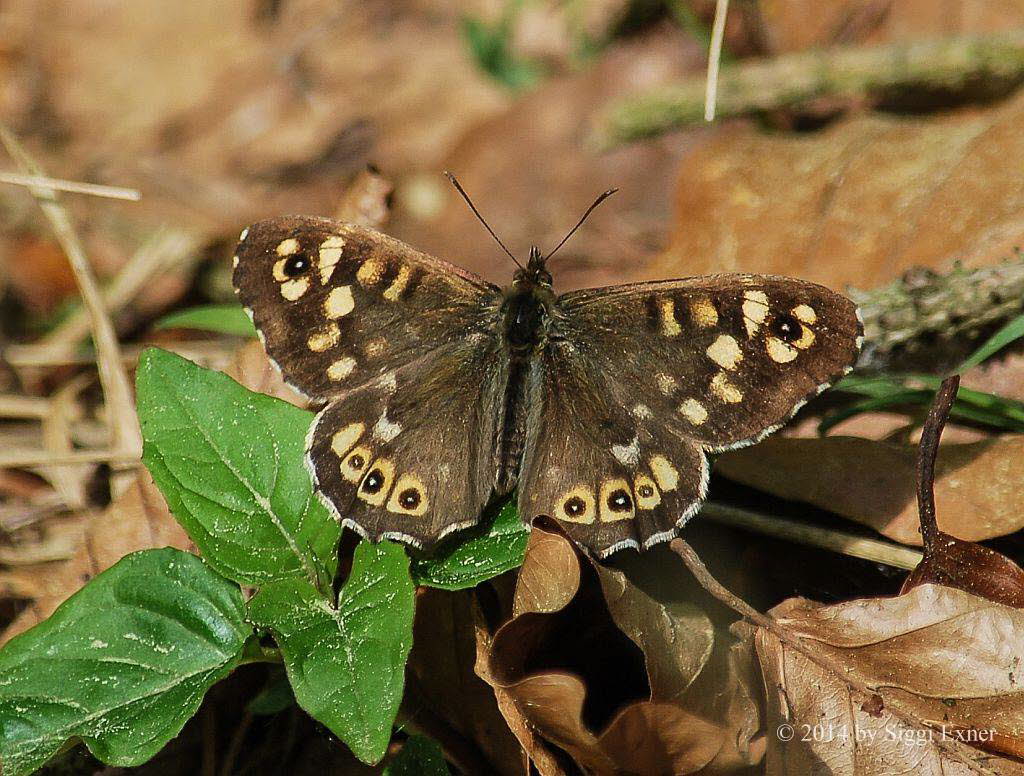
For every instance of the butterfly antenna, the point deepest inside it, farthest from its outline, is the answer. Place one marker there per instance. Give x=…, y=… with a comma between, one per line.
x=579, y=223
x=458, y=187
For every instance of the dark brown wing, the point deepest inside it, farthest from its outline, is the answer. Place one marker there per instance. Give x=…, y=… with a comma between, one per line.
x=338, y=305
x=412, y=455
x=639, y=382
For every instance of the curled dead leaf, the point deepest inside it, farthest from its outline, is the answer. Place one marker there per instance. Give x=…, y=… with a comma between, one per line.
x=601, y=669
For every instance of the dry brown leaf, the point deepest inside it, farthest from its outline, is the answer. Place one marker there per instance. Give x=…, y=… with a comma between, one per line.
x=542, y=756
x=970, y=567
x=137, y=520
x=790, y=25
x=39, y=275
x=856, y=204
x=979, y=487
x=600, y=668
x=944, y=656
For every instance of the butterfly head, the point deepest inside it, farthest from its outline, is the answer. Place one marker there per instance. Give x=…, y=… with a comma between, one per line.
x=535, y=273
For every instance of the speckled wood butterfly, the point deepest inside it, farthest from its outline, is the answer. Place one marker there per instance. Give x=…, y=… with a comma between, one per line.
x=441, y=391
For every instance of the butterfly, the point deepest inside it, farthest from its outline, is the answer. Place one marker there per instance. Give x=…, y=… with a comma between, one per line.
x=441, y=392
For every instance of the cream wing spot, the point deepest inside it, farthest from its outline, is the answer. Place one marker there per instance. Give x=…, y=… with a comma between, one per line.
x=329, y=256
x=343, y=440
x=725, y=352
x=616, y=502
x=370, y=271
x=341, y=368
x=408, y=497
x=666, y=383
x=293, y=290
x=725, y=390
x=693, y=411
x=577, y=506
x=647, y=494
x=779, y=351
x=385, y=429
x=234, y=262
x=394, y=292
x=755, y=311
x=669, y=325
x=324, y=338
x=805, y=313
x=704, y=313
x=375, y=347
x=642, y=412
x=339, y=302
x=665, y=474
x=376, y=483
x=243, y=235
x=627, y=455
x=287, y=247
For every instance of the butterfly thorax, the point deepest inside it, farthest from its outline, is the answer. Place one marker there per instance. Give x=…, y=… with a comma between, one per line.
x=526, y=307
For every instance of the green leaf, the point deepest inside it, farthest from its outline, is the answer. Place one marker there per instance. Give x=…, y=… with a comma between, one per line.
x=873, y=403
x=419, y=756
x=347, y=664
x=918, y=390
x=230, y=463
x=223, y=318
x=122, y=664
x=490, y=46
x=477, y=559
x=1013, y=330
x=276, y=695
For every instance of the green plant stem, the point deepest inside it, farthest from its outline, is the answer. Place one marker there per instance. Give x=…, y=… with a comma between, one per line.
x=794, y=79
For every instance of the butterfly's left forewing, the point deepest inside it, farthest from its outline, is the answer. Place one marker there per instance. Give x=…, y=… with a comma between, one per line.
x=339, y=304
x=639, y=383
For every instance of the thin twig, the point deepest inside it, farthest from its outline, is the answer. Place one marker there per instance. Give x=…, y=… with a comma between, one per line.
x=227, y=766
x=162, y=250
x=117, y=393
x=74, y=187
x=927, y=452
x=824, y=661
x=36, y=356
x=14, y=406
x=855, y=546
x=19, y=458
x=714, y=59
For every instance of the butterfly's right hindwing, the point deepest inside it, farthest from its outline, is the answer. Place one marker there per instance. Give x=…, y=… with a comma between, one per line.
x=337, y=305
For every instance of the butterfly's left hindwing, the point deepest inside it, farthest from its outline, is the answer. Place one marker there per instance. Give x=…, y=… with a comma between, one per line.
x=412, y=455
x=638, y=383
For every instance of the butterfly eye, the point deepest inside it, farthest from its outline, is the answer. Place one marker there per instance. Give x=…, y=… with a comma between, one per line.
x=295, y=265
x=787, y=328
